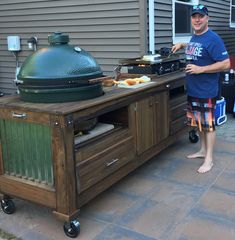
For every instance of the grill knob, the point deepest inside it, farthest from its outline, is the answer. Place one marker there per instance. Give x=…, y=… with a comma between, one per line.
x=161, y=70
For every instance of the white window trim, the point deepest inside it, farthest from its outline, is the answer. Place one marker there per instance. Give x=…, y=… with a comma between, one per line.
x=232, y=24
x=177, y=39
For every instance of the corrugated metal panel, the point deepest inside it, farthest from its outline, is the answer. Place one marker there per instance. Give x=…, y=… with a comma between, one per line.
x=109, y=30
x=26, y=149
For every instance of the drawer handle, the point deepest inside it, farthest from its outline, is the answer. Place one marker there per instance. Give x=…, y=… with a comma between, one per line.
x=19, y=115
x=112, y=162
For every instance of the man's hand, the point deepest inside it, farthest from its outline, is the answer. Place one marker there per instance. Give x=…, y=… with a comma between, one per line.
x=177, y=47
x=193, y=69
x=212, y=68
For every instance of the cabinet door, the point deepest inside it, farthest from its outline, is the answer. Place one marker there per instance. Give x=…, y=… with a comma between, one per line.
x=145, y=124
x=161, y=118
x=152, y=121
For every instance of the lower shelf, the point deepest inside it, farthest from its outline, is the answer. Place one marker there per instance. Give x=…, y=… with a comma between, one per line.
x=98, y=130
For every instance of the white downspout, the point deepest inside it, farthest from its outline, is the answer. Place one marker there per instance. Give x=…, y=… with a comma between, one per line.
x=151, y=27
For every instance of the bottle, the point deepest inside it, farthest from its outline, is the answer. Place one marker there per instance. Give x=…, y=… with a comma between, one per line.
x=226, y=78
x=188, y=60
x=231, y=74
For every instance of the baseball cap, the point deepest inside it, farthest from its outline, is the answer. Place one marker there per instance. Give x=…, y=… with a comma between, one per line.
x=201, y=9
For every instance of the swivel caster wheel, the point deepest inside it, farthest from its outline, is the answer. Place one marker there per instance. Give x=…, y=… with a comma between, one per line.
x=8, y=206
x=193, y=137
x=72, y=229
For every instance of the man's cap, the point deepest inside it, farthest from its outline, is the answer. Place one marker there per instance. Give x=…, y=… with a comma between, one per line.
x=201, y=9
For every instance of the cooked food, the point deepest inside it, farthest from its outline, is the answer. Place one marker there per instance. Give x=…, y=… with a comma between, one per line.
x=108, y=82
x=131, y=81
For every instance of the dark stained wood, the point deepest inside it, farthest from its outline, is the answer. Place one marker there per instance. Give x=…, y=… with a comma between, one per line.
x=64, y=165
x=105, y=183
x=24, y=115
x=161, y=118
x=146, y=120
x=178, y=111
x=144, y=124
x=105, y=163
x=94, y=147
x=110, y=96
x=36, y=193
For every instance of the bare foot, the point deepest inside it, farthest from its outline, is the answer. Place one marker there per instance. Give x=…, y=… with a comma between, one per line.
x=196, y=155
x=205, y=167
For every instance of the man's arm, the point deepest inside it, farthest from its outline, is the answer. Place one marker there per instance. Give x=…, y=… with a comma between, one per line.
x=178, y=46
x=212, y=68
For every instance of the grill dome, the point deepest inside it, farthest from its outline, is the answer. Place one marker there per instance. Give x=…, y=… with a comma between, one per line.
x=59, y=69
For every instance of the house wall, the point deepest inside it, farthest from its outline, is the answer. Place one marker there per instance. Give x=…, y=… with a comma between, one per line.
x=110, y=30
x=219, y=11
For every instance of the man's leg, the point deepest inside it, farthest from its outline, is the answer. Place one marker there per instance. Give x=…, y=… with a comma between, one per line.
x=202, y=152
x=208, y=162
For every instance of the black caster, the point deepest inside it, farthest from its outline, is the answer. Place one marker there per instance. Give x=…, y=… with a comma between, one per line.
x=193, y=137
x=8, y=206
x=72, y=229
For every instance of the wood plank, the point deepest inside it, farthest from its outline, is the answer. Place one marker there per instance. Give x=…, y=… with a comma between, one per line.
x=111, y=94
x=25, y=190
x=64, y=165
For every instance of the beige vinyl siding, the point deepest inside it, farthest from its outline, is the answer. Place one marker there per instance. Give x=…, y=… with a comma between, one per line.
x=109, y=30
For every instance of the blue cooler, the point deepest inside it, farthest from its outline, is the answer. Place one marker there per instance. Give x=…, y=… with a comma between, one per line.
x=220, y=111
x=234, y=109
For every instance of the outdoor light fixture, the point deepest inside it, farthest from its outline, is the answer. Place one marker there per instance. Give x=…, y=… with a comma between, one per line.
x=32, y=43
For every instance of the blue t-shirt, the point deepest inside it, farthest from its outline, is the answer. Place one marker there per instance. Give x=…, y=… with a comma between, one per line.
x=205, y=49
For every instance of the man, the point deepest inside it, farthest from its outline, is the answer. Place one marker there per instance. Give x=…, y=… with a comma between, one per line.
x=209, y=57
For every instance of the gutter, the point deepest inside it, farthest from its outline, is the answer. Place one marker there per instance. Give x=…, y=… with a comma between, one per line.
x=151, y=27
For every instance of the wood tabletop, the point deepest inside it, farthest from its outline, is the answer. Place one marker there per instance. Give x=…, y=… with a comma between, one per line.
x=110, y=94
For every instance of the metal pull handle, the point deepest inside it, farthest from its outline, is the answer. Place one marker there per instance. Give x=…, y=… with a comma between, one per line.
x=168, y=86
x=151, y=102
x=112, y=162
x=19, y=115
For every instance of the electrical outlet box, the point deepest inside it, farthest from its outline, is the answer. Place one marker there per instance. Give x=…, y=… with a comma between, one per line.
x=13, y=43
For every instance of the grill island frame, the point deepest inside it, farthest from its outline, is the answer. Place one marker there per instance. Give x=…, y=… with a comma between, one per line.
x=40, y=163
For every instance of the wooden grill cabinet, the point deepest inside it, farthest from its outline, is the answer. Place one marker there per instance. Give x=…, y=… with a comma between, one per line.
x=41, y=162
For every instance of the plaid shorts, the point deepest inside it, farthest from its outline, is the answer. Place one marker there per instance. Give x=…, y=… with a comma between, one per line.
x=201, y=113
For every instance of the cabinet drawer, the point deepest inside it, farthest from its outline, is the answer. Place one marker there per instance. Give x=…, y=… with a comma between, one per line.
x=177, y=100
x=92, y=170
x=178, y=124
x=178, y=111
x=96, y=146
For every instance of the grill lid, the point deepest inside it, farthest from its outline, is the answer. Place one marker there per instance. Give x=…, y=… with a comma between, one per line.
x=59, y=64
x=59, y=73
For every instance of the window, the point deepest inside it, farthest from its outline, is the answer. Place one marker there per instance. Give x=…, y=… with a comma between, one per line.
x=182, y=29
x=232, y=14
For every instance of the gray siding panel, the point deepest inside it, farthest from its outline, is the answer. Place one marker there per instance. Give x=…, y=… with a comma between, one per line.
x=109, y=30
x=219, y=21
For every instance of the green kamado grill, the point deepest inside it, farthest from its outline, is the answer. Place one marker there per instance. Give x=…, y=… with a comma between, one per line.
x=59, y=73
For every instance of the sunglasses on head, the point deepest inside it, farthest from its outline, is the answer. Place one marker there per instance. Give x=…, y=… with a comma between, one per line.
x=198, y=7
